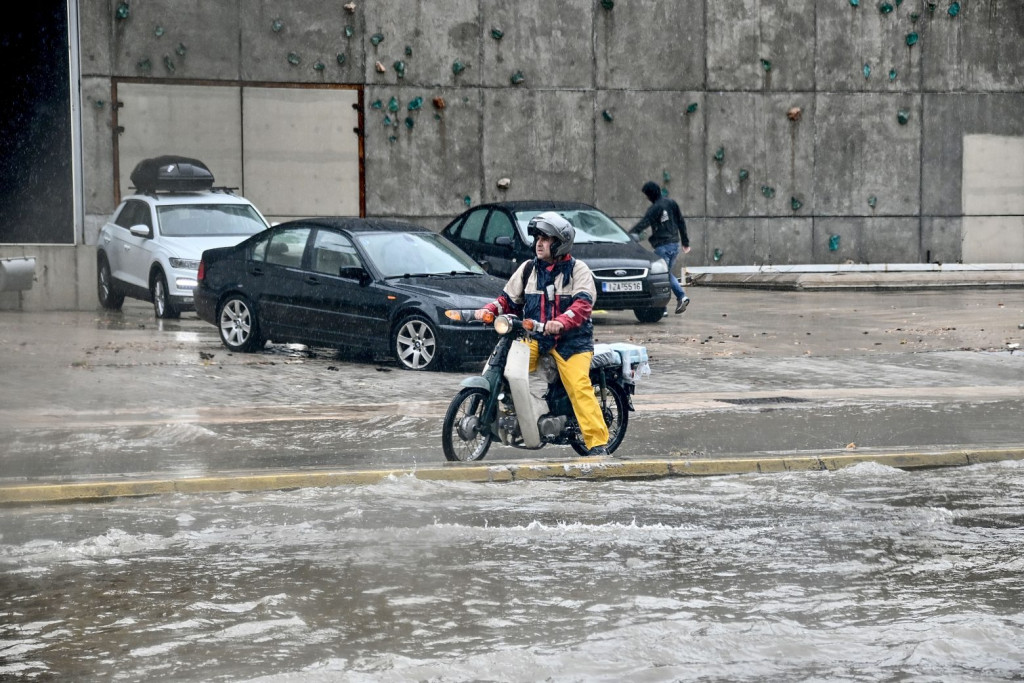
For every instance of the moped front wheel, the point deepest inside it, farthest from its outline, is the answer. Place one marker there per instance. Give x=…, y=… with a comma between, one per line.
x=615, y=407
x=465, y=437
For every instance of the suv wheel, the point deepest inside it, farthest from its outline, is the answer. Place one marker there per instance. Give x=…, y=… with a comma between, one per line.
x=109, y=297
x=649, y=315
x=162, y=305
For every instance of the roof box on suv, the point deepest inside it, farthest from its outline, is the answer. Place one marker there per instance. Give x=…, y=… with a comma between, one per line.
x=171, y=174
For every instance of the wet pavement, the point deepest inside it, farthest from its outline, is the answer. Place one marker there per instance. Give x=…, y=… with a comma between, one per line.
x=92, y=395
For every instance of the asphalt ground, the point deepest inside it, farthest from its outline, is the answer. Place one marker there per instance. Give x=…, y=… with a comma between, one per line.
x=103, y=404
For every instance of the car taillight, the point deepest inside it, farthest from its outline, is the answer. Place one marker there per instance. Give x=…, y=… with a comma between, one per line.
x=202, y=271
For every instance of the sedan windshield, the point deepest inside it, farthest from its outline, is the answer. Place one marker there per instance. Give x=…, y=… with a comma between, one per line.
x=209, y=220
x=396, y=254
x=591, y=225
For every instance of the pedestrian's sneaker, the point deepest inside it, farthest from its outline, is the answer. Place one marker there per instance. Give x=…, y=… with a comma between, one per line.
x=683, y=303
x=598, y=450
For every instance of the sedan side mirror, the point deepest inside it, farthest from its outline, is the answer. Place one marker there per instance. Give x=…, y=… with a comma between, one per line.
x=354, y=273
x=503, y=241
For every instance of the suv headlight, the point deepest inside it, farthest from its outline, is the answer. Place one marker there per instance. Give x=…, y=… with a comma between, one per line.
x=658, y=266
x=183, y=263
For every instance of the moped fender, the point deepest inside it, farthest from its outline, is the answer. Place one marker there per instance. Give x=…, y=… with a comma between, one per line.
x=477, y=381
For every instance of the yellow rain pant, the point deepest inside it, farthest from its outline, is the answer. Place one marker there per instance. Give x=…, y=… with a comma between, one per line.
x=575, y=374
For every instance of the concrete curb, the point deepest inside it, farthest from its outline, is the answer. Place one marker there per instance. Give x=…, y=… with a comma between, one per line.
x=533, y=470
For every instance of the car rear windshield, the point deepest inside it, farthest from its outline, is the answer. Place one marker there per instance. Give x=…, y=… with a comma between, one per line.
x=209, y=220
x=415, y=253
x=591, y=225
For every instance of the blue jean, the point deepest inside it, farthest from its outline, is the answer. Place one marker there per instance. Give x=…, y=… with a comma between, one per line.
x=669, y=252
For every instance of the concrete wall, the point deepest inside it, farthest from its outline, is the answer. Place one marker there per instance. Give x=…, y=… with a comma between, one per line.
x=873, y=165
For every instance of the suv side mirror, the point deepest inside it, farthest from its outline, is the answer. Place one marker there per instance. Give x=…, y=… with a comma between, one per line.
x=140, y=230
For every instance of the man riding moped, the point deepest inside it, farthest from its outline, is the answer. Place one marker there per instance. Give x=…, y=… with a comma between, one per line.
x=559, y=293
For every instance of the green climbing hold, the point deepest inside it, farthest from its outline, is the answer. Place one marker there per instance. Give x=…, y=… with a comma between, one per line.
x=122, y=11
x=795, y=203
x=911, y=39
x=766, y=65
x=458, y=67
x=377, y=39
x=416, y=103
x=517, y=78
x=341, y=59
x=399, y=68
x=497, y=33
x=833, y=242
x=387, y=121
x=720, y=154
x=144, y=64
x=393, y=104
x=319, y=66
x=768, y=191
x=744, y=174
x=717, y=255
x=954, y=9
x=294, y=59
x=169, y=63
x=608, y=4
x=276, y=25
x=855, y=3
x=408, y=51
x=607, y=116
x=158, y=31
x=867, y=71
x=691, y=108
x=872, y=201
x=885, y=8
x=349, y=31
x=409, y=122
x=467, y=200
x=931, y=7
x=100, y=104
x=665, y=177
x=899, y=2
x=664, y=192
x=392, y=138
x=377, y=104
x=903, y=116
x=914, y=16
x=180, y=50
x=892, y=74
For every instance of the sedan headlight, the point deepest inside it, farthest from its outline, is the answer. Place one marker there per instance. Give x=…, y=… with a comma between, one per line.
x=658, y=266
x=184, y=264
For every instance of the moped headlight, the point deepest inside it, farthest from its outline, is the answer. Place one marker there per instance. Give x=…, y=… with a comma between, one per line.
x=503, y=324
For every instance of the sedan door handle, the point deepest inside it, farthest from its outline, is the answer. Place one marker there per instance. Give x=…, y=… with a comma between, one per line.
x=256, y=271
x=312, y=280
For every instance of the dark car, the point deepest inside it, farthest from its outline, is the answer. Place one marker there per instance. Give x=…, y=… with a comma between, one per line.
x=360, y=284
x=628, y=277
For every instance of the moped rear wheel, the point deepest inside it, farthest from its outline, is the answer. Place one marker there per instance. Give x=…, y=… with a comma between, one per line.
x=465, y=437
x=615, y=408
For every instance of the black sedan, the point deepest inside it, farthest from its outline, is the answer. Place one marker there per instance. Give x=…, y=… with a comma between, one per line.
x=357, y=284
x=628, y=277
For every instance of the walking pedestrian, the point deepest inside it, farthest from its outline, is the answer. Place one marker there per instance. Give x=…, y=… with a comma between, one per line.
x=668, y=230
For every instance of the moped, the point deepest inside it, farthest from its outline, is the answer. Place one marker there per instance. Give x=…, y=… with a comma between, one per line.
x=498, y=405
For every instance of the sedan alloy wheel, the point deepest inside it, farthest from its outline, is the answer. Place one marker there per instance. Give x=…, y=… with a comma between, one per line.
x=238, y=326
x=415, y=343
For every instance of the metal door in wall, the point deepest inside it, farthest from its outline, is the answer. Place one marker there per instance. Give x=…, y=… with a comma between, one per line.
x=293, y=152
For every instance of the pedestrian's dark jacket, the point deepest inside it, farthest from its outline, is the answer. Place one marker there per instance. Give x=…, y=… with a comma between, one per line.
x=570, y=301
x=664, y=218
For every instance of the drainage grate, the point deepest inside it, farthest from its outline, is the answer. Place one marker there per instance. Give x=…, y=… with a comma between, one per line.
x=768, y=400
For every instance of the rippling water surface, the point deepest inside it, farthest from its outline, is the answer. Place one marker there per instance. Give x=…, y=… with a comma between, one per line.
x=868, y=573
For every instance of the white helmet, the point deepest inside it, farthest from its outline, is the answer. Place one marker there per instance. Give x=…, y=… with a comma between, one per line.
x=553, y=225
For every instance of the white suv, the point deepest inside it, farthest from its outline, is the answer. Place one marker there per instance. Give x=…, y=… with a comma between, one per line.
x=151, y=247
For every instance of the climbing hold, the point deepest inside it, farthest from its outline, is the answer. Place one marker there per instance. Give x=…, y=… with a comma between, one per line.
x=319, y=66
x=122, y=11
x=892, y=74
x=954, y=10
x=387, y=120
x=409, y=122
x=350, y=7
x=415, y=103
x=914, y=16
x=766, y=65
x=691, y=108
x=467, y=200
x=497, y=33
x=294, y=59
x=768, y=191
x=517, y=78
x=607, y=116
x=439, y=102
x=872, y=201
x=608, y=4
x=664, y=191
x=408, y=51
x=180, y=50
x=349, y=31
x=833, y=242
x=169, y=63
x=158, y=31
x=911, y=39
x=393, y=104
x=795, y=203
x=720, y=154
x=903, y=116
x=665, y=177
x=377, y=39
x=867, y=70
x=855, y=3
x=794, y=113
x=399, y=68
x=458, y=67
x=717, y=255
x=377, y=104
x=885, y=8
x=144, y=64
x=341, y=59
x=379, y=67
x=744, y=174
x=504, y=183
x=276, y=25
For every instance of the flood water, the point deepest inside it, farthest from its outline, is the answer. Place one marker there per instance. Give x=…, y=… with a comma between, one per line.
x=865, y=574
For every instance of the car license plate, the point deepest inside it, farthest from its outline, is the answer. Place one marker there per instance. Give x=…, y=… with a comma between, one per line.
x=622, y=286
